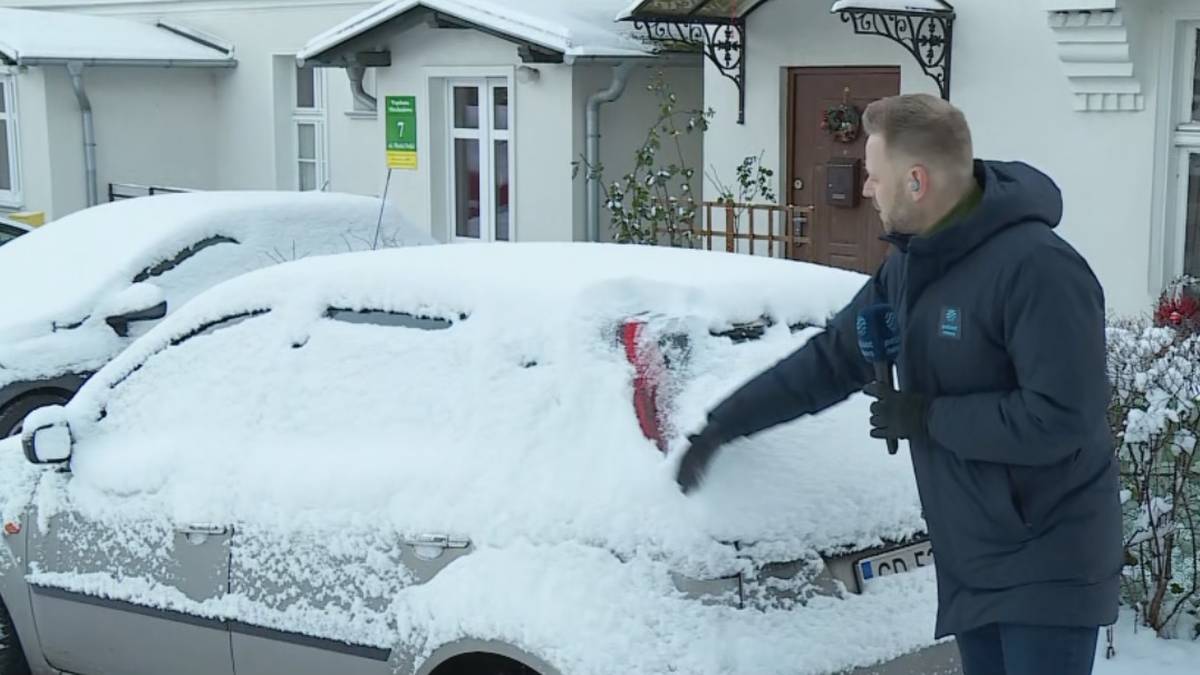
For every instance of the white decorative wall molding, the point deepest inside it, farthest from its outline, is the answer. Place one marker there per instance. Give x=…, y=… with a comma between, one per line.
x=1093, y=45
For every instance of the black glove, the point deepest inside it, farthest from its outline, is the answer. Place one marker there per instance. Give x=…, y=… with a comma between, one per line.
x=897, y=414
x=696, y=457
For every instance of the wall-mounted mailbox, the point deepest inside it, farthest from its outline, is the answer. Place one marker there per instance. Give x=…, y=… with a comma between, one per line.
x=843, y=181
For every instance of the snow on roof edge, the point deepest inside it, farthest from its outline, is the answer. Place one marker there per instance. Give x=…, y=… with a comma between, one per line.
x=40, y=37
x=383, y=12
x=922, y=6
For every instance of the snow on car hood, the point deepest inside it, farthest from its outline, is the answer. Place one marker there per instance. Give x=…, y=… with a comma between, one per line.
x=514, y=424
x=57, y=272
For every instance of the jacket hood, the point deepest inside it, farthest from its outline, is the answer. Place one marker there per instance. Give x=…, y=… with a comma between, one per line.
x=1013, y=193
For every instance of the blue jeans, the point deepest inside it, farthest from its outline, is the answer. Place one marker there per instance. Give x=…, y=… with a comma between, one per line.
x=1011, y=649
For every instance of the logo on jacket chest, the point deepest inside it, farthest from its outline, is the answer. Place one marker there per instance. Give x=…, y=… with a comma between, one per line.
x=950, y=323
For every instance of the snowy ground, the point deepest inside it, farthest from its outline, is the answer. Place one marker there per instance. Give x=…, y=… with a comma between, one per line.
x=1141, y=653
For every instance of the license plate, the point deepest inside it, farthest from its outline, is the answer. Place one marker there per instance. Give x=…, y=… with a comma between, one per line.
x=895, y=561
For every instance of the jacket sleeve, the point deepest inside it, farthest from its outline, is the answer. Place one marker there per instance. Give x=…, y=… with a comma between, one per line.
x=1054, y=332
x=825, y=371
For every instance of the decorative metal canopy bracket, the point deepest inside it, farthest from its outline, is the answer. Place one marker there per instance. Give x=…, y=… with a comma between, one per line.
x=723, y=42
x=928, y=36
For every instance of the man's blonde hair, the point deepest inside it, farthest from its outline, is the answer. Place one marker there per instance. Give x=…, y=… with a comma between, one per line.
x=925, y=129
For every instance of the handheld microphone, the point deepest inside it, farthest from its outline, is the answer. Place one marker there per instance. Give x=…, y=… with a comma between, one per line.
x=879, y=342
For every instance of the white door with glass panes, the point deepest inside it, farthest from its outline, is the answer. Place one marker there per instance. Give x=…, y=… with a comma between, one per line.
x=481, y=159
x=308, y=130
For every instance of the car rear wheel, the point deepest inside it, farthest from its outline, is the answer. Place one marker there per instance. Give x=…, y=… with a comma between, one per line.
x=12, y=657
x=480, y=663
x=14, y=412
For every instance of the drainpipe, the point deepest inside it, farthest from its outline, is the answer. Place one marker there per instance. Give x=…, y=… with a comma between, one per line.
x=621, y=74
x=356, y=74
x=75, y=70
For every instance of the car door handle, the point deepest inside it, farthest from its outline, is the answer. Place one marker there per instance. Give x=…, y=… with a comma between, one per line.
x=202, y=528
x=438, y=541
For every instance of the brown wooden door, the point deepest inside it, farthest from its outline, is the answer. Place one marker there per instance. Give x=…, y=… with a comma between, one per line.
x=842, y=235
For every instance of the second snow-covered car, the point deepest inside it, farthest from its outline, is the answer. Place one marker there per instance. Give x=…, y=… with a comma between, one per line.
x=77, y=290
x=457, y=460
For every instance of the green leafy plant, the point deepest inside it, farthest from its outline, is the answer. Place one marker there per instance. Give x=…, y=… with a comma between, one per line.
x=754, y=183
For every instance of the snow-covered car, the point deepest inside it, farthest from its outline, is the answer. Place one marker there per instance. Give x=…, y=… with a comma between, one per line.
x=458, y=460
x=77, y=290
x=11, y=229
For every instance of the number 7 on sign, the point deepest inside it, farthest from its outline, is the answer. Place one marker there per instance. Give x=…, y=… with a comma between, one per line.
x=400, y=124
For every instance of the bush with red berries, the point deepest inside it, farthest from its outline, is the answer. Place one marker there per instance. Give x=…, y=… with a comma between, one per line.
x=1179, y=307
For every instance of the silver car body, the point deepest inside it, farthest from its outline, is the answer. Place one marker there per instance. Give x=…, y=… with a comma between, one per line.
x=141, y=571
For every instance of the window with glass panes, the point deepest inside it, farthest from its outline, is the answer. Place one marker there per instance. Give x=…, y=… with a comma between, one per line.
x=308, y=126
x=480, y=159
x=1187, y=142
x=10, y=182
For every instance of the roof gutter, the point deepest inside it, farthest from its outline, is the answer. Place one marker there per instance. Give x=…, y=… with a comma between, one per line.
x=75, y=70
x=158, y=63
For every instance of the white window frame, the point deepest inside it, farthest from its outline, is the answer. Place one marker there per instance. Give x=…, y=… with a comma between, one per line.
x=13, y=197
x=487, y=136
x=1178, y=137
x=316, y=116
x=1186, y=141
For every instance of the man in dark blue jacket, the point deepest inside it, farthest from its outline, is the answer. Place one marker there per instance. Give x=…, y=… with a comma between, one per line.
x=1003, y=393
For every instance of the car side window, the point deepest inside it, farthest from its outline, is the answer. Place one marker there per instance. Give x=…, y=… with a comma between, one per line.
x=169, y=264
x=392, y=319
x=206, y=328
x=7, y=233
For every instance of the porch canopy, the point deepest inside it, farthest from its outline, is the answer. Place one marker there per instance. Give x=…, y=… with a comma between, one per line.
x=31, y=37
x=718, y=27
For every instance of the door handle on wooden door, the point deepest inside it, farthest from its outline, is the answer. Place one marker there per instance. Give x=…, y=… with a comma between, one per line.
x=800, y=219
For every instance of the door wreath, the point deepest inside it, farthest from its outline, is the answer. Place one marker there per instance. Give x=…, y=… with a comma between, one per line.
x=842, y=121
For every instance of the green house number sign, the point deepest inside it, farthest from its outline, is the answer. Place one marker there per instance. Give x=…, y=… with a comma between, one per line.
x=401, y=120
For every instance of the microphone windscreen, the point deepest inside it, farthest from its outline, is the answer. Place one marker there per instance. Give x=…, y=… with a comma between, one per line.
x=878, y=333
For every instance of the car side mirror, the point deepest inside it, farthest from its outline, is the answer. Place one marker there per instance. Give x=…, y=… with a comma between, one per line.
x=141, y=301
x=46, y=436
x=120, y=322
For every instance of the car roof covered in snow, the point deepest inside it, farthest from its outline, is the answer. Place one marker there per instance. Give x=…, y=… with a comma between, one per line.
x=449, y=281
x=55, y=273
x=576, y=28
x=36, y=37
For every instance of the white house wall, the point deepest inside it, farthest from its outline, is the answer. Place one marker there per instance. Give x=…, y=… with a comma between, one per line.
x=154, y=126
x=1008, y=79
x=64, y=124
